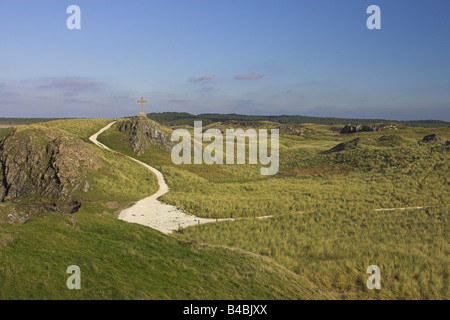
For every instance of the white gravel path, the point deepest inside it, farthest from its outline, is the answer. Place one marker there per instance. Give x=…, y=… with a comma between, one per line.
x=150, y=211
x=167, y=218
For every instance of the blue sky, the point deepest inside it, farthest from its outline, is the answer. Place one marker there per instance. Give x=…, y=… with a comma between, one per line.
x=306, y=57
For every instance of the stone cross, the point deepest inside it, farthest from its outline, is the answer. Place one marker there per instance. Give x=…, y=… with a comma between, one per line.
x=142, y=101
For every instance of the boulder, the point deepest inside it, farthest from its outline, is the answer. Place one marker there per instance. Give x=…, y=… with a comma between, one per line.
x=143, y=132
x=47, y=164
x=435, y=138
x=349, y=128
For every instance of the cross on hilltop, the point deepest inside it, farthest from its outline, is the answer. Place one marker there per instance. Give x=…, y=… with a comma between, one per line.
x=142, y=113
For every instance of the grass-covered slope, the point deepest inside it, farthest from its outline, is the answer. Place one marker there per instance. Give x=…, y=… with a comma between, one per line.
x=324, y=198
x=46, y=168
x=119, y=260
x=78, y=128
x=334, y=247
x=383, y=170
x=22, y=121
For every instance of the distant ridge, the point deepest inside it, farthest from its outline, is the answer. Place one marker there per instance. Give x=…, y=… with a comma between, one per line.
x=13, y=121
x=184, y=118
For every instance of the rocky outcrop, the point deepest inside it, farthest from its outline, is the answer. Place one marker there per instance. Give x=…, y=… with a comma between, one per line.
x=352, y=144
x=293, y=128
x=435, y=138
x=349, y=128
x=391, y=141
x=45, y=166
x=143, y=132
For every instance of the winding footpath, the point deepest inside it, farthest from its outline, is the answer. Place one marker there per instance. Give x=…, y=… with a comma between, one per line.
x=167, y=218
x=150, y=211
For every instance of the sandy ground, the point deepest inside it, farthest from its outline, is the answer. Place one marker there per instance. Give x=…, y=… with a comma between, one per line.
x=150, y=211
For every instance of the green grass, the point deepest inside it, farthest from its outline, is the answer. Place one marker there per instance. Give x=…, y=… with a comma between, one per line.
x=5, y=132
x=119, y=260
x=79, y=128
x=323, y=236
x=371, y=175
x=22, y=121
x=333, y=249
x=325, y=227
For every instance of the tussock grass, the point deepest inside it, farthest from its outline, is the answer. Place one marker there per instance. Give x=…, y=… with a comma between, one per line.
x=79, y=128
x=333, y=249
x=119, y=260
x=370, y=175
x=325, y=227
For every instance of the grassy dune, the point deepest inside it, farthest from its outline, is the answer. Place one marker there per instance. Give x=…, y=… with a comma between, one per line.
x=325, y=227
x=119, y=260
x=372, y=175
x=79, y=128
x=333, y=249
x=323, y=237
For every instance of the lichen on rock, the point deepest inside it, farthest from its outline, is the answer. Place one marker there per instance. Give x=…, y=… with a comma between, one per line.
x=143, y=132
x=435, y=138
x=41, y=163
x=349, y=128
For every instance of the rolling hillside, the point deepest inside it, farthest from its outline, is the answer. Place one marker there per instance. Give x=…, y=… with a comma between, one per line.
x=333, y=204
x=119, y=260
x=334, y=201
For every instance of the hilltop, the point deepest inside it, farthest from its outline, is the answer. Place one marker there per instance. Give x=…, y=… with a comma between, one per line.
x=42, y=169
x=23, y=121
x=143, y=132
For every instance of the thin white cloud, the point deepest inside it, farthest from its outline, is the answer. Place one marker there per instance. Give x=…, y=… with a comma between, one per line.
x=204, y=78
x=71, y=84
x=250, y=76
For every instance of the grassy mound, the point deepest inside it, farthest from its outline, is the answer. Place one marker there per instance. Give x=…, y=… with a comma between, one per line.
x=333, y=248
x=119, y=260
x=325, y=227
